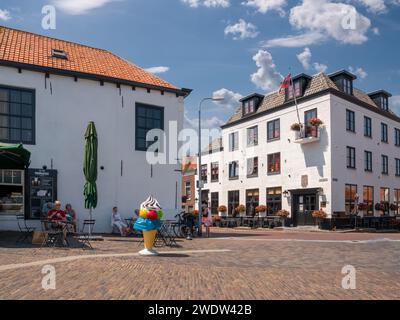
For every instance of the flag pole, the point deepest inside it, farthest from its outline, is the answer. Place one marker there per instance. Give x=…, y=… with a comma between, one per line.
x=295, y=101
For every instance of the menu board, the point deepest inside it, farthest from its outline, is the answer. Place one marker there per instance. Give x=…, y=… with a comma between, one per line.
x=40, y=188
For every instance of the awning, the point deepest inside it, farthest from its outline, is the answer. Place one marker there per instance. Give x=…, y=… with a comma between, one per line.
x=14, y=156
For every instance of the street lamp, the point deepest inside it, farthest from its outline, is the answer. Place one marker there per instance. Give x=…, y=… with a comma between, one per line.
x=199, y=155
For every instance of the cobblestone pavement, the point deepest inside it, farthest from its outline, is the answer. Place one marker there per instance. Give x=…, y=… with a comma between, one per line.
x=232, y=264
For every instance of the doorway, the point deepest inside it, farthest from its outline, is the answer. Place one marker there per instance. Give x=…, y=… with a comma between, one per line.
x=303, y=206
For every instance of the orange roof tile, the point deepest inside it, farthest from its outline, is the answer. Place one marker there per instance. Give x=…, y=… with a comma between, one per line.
x=28, y=48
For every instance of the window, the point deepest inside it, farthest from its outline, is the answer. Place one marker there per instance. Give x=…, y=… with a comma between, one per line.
x=214, y=172
x=249, y=106
x=252, y=136
x=384, y=132
x=347, y=86
x=368, y=161
x=12, y=192
x=368, y=198
x=385, y=199
x=204, y=173
x=188, y=189
x=214, y=202
x=397, y=199
x=296, y=86
x=351, y=157
x=367, y=127
x=308, y=115
x=350, y=197
x=385, y=104
x=274, y=163
x=233, y=201
x=252, y=167
x=274, y=200
x=350, y=121
x=147, y=118
x=233, y=141
x=57, y=53
x=397, y=167
x=17, y=116
x=252, y=201
x=385, y=164
x=234, y=170
x=397, y=137
x=273, y=130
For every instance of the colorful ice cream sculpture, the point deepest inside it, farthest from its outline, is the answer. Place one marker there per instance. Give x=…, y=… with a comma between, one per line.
x=148, y=222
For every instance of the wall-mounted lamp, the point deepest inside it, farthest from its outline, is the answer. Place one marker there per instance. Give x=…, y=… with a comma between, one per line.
x=286, y=194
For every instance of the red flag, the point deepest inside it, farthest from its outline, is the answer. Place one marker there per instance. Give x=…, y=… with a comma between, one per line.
x=285, y=83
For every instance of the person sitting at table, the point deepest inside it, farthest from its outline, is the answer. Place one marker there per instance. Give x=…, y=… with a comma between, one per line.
x=116, y=221
x=57, y=216
x=71, y=215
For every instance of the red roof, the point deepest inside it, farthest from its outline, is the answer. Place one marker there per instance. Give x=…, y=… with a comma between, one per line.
x=32, y=49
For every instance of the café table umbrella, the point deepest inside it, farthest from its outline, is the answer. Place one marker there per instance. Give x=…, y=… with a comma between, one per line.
x=90, y=168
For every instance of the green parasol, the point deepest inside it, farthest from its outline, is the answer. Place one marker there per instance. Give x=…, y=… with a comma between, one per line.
x=14, y=156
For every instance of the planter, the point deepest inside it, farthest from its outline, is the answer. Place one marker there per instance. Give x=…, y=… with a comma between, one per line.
x=242, y=214
x=262, y=214
x=222, y=214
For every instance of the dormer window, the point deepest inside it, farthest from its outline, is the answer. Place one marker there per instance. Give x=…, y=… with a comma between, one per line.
x=344, y=81
x=60, y=54
x=251, y=103
x=381, y=99
x=298, y=85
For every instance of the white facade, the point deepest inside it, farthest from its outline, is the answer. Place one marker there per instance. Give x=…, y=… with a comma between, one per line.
x=321, y=163
x=63, y=109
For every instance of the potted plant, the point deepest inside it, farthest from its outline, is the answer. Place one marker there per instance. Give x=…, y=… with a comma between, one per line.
x=241, y=209
x=195, y=213
x=184, y=199
x=261, y=210
x=283, y=214
x=319, y=215
x=222, y=210
x=394, y=208
x=295, y=127
x=380, y=206
x=315, y=122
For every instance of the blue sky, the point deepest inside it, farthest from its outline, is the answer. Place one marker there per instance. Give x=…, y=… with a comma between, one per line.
x=232, y=47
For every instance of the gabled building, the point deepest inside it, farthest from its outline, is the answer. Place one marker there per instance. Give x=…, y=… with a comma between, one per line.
x=353, y=156
x=49, y=90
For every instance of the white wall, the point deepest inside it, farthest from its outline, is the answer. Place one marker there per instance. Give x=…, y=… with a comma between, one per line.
x=342, y=138
x=61, y=121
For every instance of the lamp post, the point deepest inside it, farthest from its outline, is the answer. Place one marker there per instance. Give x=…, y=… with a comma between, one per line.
x=199, y=155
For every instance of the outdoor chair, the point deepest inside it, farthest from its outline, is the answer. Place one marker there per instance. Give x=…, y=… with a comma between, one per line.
x=168, y=235
x=25, y=231
x=85, y=234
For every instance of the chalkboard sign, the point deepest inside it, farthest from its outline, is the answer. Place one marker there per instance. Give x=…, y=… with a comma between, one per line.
x=40, y=188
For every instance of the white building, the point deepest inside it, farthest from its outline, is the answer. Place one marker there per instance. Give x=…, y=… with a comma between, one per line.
x=49, y=91
x=262, y=161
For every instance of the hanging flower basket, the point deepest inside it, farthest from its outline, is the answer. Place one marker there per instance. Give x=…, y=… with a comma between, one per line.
x=295, y=127
x=184, y=199
x=261, y=210
x=222, y=210
x=362, y=206
x=241, y=209
x=283, y=213
x=394, y=207
x=380, y=207
x=319, y=214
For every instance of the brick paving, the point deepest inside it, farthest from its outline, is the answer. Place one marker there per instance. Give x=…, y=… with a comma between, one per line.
x=259, y=265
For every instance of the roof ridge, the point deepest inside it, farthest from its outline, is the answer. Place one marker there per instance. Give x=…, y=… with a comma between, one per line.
x=58, y=39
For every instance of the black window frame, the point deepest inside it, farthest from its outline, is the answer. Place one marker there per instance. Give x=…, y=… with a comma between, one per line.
x=369, y=202
x=274, y=200
x=350, y=121
x=367, y=127
x=385, y=164
x=397, y=165
x=214, y=167
x=350, y=202
x=350, y=157
x=397, y=137
x=255, y=138
x=367, y=161
x=32, y=141
x=230, y=165
x=214, y=202
x=233, y=201
x=204, y=173
x=139, y=105
x=255, y=165
x=271, y=161
x=276, y=127
x=384, y=133
x=234, y=141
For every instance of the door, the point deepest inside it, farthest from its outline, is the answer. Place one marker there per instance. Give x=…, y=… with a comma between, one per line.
x=304, y=205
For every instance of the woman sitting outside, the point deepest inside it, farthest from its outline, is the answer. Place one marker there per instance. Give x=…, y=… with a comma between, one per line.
x=116, y=221
x=57, y=216
x=71, y=216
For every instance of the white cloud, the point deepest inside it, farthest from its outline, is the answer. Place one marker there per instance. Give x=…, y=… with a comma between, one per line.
x=263, y=6
x=359, y=72
x=5, y=15
x=305, y=58
x=78, y=7
x=320, y=67
x=375, y=6
x=156, y=70
x=242, y=30
x=320, y=20
x=294, y=41
x=207, y=3
x=376, y=31
x=231, y=99
x=266, y=77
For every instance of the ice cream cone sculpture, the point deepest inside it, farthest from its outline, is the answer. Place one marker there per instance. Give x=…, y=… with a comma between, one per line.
x=148, y=222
